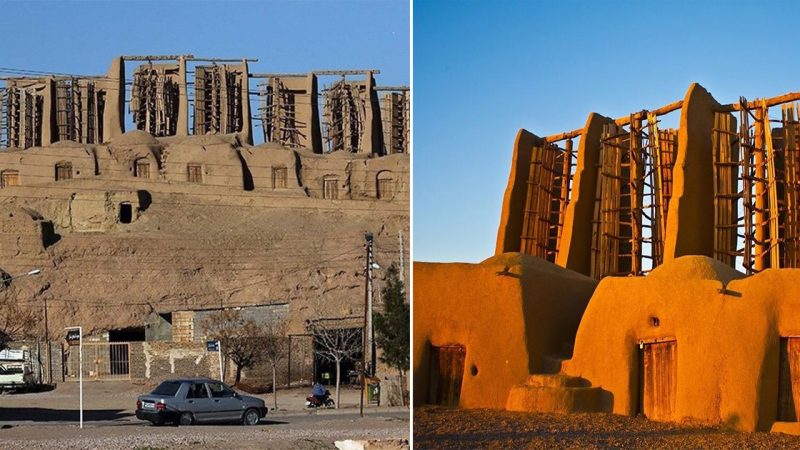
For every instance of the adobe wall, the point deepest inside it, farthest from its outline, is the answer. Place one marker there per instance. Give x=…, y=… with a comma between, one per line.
x=728, y=341
x=509, y=232
x=219, y=161
x=576, y=240
x=508, y=311
x=37, y=165
x=161, y=360
x=357, y=173
x=690, y=222
x=263, y=158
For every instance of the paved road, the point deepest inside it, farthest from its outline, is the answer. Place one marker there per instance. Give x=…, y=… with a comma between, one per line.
x=16, y=416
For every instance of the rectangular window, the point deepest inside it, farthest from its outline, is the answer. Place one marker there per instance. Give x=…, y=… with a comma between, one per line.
x=195, y=173
x=279, y=175
x=385, y=188
x=142, y=169
x=63, y=171
x=9, y=178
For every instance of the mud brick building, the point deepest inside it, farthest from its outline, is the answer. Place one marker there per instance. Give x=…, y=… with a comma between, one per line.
x=639, y=270
x=174, y=185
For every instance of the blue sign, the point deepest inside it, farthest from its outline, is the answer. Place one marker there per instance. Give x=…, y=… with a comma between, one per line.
x=212, y=346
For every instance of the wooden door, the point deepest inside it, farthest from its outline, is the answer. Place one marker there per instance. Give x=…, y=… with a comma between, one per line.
x=330, y=188
x=789, y=379
x=446, y=373
x=658, y=376
x=9, y=178
x=195, y=174
x=279, y=176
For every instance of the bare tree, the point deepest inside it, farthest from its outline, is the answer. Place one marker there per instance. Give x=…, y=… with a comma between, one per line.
x=15, y=322
x=335, y=345
x=241, y=339
x=275, y=348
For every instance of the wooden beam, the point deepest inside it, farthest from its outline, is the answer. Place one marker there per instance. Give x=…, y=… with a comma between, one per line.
x=620, y=121
x=773, y=101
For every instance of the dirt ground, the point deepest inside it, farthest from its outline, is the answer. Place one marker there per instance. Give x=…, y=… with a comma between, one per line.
x=50, y=419
x=442, y=428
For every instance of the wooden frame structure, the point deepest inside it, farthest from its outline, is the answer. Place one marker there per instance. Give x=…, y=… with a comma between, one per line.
x=548, y=191
x=634, y=185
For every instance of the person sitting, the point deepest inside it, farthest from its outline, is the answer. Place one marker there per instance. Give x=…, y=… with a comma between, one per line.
x=319, y=392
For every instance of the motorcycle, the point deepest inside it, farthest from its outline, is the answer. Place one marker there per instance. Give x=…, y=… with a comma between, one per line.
x=312, y=401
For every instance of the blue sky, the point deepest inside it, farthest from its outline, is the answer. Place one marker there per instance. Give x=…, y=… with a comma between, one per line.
x=482, y=70
x=287, y=36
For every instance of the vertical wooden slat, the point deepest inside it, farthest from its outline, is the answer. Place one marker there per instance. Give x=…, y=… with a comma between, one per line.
x=659, y=378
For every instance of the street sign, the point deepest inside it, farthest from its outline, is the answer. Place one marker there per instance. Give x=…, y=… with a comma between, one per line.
x=73, y=337
x=212, y=346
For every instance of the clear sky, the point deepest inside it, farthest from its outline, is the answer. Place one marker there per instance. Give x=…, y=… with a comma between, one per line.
x=483, y=70
x=287, y=36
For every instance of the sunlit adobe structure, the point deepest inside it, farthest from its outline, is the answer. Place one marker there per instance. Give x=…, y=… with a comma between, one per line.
x=687, y=207
x=181, y=95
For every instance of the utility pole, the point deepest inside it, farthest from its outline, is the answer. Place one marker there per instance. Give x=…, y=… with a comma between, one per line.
x=370, y=327
x=47, y=343
x=402, y=261
x=368, y=239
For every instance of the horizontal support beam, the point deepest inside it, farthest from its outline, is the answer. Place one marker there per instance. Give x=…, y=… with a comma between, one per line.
x=773, y=101
x=186, y=57
x=155, y=57
x=625, y=120
x=392, y=88
x=345, y=72
x=278, y=75
x=230, y=60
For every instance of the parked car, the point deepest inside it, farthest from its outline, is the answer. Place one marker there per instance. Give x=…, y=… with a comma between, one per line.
x=198, y=400
x=16, y=376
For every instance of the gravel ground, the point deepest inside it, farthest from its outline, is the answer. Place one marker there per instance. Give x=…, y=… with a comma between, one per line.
x=442, y=428
x=277, y=435
x=47, y=420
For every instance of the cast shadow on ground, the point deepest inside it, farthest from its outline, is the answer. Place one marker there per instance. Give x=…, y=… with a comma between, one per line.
x=60, y=415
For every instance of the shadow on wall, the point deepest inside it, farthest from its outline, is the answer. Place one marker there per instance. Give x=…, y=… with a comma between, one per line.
x=145, y=200
x=49, y=235
x=247, y=176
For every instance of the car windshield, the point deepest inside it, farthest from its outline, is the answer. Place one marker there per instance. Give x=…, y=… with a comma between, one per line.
x=167, y=388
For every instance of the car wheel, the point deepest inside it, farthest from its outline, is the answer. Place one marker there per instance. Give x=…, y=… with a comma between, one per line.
x=251, y=417
x=330, y=403
x=186, y=418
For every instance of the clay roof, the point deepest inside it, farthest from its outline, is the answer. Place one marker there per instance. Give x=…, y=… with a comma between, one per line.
x=697, y=268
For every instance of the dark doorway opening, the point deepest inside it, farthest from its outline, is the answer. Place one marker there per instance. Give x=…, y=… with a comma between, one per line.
x=658, y=379
x=325, y=369
x=789, y=379
x=125, y=212
x=446, y=374
x=132, y=334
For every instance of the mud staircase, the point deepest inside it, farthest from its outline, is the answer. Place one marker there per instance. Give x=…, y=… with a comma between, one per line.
x=554, y=392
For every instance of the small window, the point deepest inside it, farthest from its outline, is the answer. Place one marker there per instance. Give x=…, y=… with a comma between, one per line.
x=279, y=175
x=141, y=169
x=167, y=389
x=125, y=212
x=63, y=171
x=9, y=178
x=197, y=390
x=385, y=185
x=330, y=187
x=195, y=173
x=219, y=390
